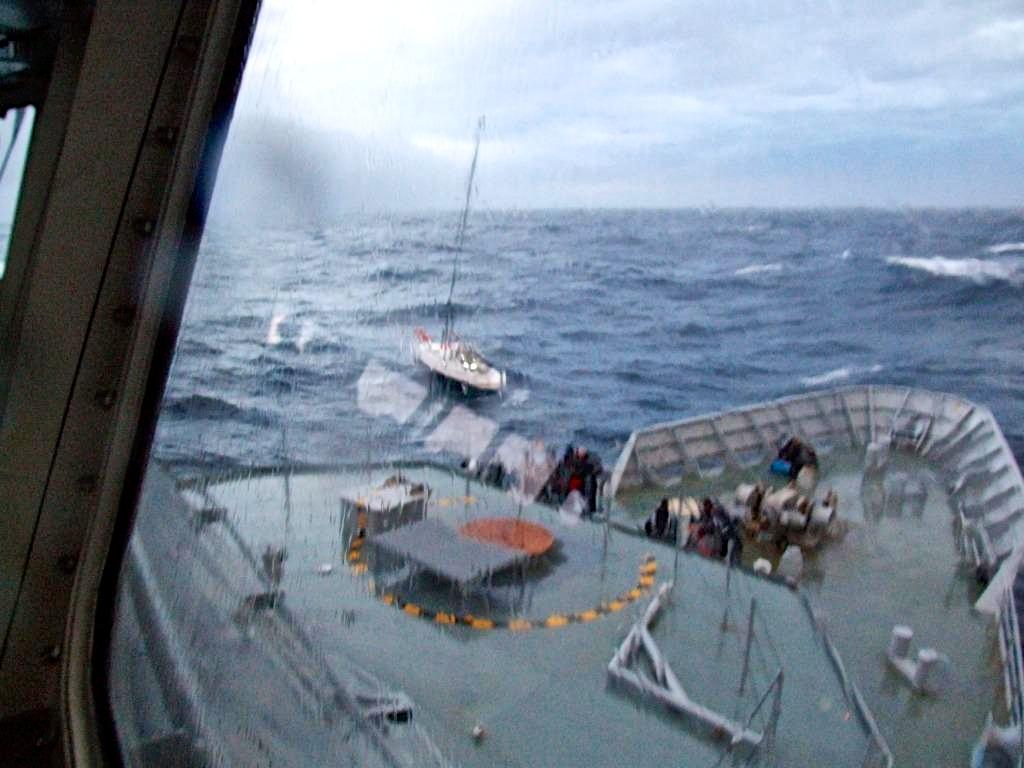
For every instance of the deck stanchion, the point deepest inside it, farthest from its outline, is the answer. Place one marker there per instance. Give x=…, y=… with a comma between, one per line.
x=675, y=565
x=747, y=644
x=728, y=583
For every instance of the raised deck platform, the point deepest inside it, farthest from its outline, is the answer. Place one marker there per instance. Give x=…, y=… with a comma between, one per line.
x=532, y=668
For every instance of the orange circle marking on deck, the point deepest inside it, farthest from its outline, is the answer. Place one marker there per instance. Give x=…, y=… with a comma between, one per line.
x=510, y=532
x=520, y=625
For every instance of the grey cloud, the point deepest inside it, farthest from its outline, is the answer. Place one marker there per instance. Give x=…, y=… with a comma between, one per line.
x=654, y=100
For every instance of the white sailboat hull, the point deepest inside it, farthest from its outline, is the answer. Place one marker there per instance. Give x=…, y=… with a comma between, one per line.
x=443, y=360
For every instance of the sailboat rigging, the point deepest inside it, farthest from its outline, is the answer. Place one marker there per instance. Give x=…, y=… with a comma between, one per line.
x=451, y=357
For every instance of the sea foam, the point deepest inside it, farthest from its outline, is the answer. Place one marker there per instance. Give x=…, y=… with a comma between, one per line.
x=978, y=271
x=1005, y=248
x=838, y=374
x=757, y=269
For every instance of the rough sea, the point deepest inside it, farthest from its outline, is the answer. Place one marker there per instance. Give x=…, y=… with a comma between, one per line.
x=606, y=321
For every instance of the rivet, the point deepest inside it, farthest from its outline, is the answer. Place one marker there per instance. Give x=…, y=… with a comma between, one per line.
x=106, y=398
x=124, y=315
x=188, y=44
x=67, y=563
x=143, y=225
x=51, y=653
x=86, y=483
x=166, y=135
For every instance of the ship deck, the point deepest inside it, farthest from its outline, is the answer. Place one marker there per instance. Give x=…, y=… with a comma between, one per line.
x=893, y=568
x=526, y=658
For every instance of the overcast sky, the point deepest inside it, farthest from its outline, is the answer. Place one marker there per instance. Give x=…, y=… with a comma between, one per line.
x=641, y=103
x=614, y=103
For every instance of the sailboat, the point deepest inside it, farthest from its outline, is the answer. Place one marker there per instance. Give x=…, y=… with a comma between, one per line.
x=452, y=358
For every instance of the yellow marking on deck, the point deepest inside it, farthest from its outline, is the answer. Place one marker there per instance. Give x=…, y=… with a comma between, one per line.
x=555, y=620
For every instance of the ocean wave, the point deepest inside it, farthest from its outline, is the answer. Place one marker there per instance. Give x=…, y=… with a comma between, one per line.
x=758, y=269
x=978, y=271
x=694, y=330
x=214, y=409
x=1005, y=248
x=400, y=275
x=839, y=374
x=417, y=313
x=194, y=347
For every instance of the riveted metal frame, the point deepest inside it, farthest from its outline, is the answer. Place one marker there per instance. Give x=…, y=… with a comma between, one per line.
x=111, y=257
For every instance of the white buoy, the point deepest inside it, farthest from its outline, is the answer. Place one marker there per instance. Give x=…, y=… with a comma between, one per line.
x=791, y=564
x=744, y=495
x=899, y=643
x=762, y=566
x=324, y=569
x=478, y=732
x=807, y=478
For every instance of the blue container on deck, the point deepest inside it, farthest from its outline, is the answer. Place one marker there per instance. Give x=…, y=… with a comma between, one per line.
x=781, y=467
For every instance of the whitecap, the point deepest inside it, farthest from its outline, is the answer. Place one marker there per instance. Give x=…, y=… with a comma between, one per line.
x=273, y=333
x=757, y=269
x=845, y=254
x=838, y=374
x=518, y=397
x=1005, y=248
x=305, y=335
x=978, y=271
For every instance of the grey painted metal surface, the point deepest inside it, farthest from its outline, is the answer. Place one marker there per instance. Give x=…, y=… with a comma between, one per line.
x=665, y=687
x=261, y=684
x=438, y=548
x=960, y=438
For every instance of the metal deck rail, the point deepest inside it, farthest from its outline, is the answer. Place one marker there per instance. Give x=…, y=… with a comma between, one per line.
x=961, y=439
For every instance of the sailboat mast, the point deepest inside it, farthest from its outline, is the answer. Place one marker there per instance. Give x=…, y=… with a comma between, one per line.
x=460, y=237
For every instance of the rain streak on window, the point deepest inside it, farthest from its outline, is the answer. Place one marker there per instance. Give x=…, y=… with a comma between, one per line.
x=595, y=384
